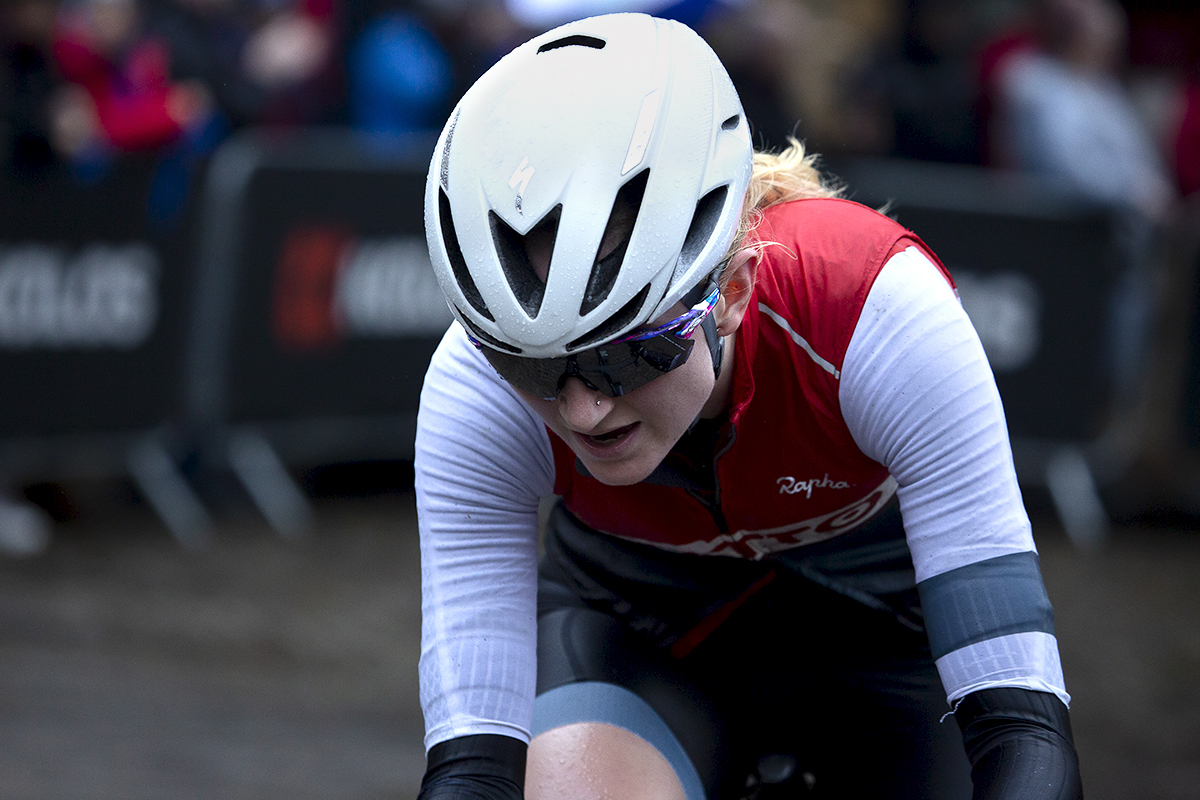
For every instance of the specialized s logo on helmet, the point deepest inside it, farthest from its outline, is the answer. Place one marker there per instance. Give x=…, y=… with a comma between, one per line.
x=520, y=180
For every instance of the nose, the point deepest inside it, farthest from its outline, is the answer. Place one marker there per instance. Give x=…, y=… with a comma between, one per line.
x=582, y=408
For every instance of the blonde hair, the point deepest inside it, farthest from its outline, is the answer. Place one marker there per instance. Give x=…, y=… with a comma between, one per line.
x=790, y=174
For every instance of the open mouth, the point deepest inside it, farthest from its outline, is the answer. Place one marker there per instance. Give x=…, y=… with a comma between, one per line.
x=614, y=435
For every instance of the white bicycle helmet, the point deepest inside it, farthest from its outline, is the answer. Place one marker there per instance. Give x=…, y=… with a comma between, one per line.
x=617, y=109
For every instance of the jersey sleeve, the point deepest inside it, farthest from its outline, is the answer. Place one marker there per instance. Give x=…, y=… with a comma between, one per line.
x=918, y=396
x=483, y=462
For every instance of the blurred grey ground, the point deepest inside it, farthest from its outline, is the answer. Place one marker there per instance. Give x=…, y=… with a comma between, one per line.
x=264, y=668
x=259, y=668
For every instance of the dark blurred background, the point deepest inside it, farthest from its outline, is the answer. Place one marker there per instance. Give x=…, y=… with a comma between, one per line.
x=216, y=309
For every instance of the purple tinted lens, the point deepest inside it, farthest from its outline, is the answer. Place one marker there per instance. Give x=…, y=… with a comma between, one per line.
x=614, y=369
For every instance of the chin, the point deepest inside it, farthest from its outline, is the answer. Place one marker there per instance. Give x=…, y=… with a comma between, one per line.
x=623, y=473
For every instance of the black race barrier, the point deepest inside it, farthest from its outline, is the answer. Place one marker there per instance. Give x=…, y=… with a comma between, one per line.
x=317, y=309
x=1036, y=268
x=93, y=320
x=1191, y=383
x=1181, y=411
x=293, y=327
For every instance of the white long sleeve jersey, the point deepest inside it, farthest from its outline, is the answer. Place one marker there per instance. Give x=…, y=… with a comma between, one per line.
x=915, y=393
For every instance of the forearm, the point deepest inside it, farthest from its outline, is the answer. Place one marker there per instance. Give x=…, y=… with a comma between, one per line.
x=1020, y=745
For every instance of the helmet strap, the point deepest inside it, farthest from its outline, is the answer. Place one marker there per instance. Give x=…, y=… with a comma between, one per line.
x=716, y=345
x=716, y=349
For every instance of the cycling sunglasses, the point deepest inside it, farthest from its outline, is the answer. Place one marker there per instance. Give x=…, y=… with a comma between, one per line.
x=620, y=366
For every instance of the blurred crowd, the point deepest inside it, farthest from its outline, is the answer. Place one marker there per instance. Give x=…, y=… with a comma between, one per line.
x=1104, y=95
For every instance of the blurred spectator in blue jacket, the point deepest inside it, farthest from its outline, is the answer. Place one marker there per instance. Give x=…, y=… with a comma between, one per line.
x=539, y=15
x=400, y=76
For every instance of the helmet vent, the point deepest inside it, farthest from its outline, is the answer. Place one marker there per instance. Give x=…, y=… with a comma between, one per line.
x=704, y=222
x=731, y=123
x=573, y=41
x=489, y=340
x=621, y=219
x=513, y=250
x=614, y=324
x=462, y=275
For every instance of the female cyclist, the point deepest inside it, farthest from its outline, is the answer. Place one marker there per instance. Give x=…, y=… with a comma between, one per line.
x=787, y=517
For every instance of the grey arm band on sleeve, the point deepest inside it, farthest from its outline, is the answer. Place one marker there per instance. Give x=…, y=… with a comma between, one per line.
x=481, y=767
x=1020, y=745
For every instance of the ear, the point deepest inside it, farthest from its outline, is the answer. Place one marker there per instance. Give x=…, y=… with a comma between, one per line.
x=739, y=286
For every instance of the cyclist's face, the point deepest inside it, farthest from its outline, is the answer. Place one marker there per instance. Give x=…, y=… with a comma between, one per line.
x=622, y=439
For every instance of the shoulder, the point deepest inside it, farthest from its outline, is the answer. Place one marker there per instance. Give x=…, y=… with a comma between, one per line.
x=825, y=249
x=820, y=259
x=457, y=366
x=827, y=237
x=834, y=217
x=463, y=400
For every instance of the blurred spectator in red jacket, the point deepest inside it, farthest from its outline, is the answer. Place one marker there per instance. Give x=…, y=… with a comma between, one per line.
x=1165, y=52
x=124, y=74
x=1187, y=140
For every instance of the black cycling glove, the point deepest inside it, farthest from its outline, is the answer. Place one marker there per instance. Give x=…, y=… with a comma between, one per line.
x=1020, y=746
x=481, y=767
